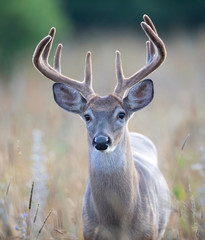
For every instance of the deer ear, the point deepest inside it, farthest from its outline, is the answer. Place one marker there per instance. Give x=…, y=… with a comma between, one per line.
x=68, y=98
x=140, y=95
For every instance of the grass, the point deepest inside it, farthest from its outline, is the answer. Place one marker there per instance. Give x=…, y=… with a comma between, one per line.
x=41, y=143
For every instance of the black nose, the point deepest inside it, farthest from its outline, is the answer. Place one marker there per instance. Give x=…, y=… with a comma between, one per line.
x=101, y=142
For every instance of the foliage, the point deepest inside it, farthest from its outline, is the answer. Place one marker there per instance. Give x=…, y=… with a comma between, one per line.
x=119, y=13
x=22, y=24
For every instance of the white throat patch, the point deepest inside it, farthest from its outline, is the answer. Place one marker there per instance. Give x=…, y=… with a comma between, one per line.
x=107, y=161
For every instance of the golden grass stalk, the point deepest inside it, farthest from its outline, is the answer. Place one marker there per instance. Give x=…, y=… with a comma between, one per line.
x=44, y=222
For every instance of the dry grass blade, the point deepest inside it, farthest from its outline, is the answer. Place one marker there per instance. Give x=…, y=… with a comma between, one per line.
x=31, y=196
x=59, y=231
x=28, y=217
x=65, y=235
x=34, y=220
x=8, y=187
x=185, y=141
x=44, y=222
x=2, y=237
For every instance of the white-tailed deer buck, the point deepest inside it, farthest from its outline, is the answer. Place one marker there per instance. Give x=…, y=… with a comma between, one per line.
x=126, y=197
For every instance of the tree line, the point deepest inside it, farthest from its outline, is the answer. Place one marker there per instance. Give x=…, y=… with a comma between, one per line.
x=24, y=22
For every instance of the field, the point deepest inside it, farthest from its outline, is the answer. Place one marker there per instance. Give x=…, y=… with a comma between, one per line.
x=42, y=144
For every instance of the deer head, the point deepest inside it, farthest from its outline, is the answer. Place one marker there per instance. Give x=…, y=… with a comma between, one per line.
x=105, y=117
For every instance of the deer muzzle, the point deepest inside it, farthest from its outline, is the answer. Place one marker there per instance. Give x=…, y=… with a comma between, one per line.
x=101, y=143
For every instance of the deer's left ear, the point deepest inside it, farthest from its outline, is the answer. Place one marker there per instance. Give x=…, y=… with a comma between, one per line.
x=140, y=95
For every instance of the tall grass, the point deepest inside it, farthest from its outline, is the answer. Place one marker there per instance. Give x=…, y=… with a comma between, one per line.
x=41, y=143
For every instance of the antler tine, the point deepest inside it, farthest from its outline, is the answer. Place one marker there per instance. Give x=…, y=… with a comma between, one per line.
x=148, y=52
x=40, y=61
x=151, y=49
x=150, y=23
x=57, y=58
x=38, y=51
x=88, y=74
x=48, y=46
x=156, y=54
x=88, y=69
x=119, y=71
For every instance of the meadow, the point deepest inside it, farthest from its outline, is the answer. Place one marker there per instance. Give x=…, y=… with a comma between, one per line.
x=43, y=149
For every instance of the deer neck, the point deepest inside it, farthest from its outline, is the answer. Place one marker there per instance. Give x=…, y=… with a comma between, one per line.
x=112, y=178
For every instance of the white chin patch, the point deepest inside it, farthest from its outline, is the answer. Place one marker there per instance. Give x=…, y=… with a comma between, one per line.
x=110, y=149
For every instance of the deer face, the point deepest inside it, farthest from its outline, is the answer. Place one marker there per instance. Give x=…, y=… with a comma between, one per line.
x=105, y=117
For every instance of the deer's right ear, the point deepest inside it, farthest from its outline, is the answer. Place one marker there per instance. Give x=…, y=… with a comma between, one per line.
x=68, y=98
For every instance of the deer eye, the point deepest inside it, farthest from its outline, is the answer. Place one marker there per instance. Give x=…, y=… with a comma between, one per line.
x=121, y=115
x=87, y=117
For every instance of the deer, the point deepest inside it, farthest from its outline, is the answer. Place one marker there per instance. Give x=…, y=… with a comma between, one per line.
x=126, y=196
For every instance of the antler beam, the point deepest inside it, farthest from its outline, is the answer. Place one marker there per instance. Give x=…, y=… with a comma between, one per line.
x=40, y=61
x=156, y=54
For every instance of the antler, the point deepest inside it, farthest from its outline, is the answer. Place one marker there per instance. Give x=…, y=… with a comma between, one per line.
x=156, y=54
x=40, y=61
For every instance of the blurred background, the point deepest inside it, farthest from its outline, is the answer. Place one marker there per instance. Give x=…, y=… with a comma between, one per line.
x=41, y=143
